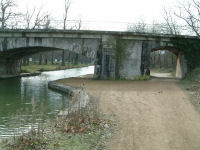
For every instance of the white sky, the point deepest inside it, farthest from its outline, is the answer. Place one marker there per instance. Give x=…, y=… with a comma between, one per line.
x=102, y=10
x=104, y=14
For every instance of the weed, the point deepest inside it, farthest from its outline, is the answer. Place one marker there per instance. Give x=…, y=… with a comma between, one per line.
x=81, y=129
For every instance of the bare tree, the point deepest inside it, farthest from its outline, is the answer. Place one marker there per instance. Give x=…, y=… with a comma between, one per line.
x=29, y=17
x=5, y=11
x=67, y=7
x=47, y=22
x=79, y=24
x=37, y=19
x=170, y=26
x=141, y=26
x=144, y=27
x=189, y=12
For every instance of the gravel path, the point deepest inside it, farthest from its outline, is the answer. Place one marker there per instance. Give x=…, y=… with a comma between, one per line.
x=153, y=115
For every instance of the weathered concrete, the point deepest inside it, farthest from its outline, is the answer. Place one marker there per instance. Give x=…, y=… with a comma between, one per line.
x=116, y=54
x=80, y=99
x=131, y=65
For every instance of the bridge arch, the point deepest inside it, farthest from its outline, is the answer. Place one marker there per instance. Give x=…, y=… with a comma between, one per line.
x=12, y=49
x=18, y=53
x=181, y=63
x=167, y=48
x=10, y=60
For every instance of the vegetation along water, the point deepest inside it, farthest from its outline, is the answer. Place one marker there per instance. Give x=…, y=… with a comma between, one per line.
x=19, y=97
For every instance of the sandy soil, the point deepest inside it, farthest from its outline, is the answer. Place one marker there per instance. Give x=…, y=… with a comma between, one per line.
x=153, y=115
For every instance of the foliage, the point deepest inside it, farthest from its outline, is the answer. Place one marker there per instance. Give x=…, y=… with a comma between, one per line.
x=192, y=85
x=190, y=48
x=141, y=78
x=193, y=76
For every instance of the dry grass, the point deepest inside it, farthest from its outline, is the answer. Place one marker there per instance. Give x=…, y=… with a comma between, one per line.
x=83, y=128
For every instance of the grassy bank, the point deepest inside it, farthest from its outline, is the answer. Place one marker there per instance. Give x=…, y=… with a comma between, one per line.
x=85, y=129
x=191, y=83
x=32, y=68
x=62, y=134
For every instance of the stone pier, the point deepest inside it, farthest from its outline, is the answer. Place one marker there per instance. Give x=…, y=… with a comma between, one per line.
x=10, y=67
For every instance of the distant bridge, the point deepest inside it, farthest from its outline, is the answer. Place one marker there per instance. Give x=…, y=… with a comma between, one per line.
x=116, y=54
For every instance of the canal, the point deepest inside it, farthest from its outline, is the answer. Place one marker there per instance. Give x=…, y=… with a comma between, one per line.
x=23, y=98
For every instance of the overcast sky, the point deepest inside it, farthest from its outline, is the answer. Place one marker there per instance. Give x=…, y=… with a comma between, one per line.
x=102, y=10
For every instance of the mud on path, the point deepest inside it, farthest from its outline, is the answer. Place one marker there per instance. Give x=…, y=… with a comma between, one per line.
x=153, y=115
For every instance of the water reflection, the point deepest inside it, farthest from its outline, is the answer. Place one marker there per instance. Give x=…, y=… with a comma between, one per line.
x=18, y=97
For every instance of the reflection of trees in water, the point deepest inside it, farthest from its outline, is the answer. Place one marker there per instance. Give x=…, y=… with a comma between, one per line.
x=9, y=96
x=37, y=88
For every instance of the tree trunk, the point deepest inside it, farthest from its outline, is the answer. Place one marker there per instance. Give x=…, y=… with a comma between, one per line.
x=159, y=59
x=40, y=59
x=63, y=58
x=52, y=58
x=46, y=61
x=76, y=59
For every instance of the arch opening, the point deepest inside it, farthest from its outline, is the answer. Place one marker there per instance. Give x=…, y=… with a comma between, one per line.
x=163, y=62
x=12, y=60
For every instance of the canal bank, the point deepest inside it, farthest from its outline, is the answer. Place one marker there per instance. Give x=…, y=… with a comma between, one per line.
x=80, y=99
x=19, y=95
x=90, y=132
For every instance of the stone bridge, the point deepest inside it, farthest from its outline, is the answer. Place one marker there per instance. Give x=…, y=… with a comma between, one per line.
x=116, y=54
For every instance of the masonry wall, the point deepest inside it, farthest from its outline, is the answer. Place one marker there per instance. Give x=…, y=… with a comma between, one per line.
x=130, y=65
x=118, y=59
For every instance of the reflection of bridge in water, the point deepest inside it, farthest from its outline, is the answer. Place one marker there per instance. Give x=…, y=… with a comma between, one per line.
x=116, y=54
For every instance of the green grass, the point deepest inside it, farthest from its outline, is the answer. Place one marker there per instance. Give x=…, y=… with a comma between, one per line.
x=32, y=68
x=193, y=76
x=191, y=83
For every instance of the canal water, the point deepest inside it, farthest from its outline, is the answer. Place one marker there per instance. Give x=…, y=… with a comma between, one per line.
x=26, y=101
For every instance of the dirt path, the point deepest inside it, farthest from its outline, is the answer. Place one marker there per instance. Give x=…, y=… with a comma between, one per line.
x=153, y=115
x=161, y=75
